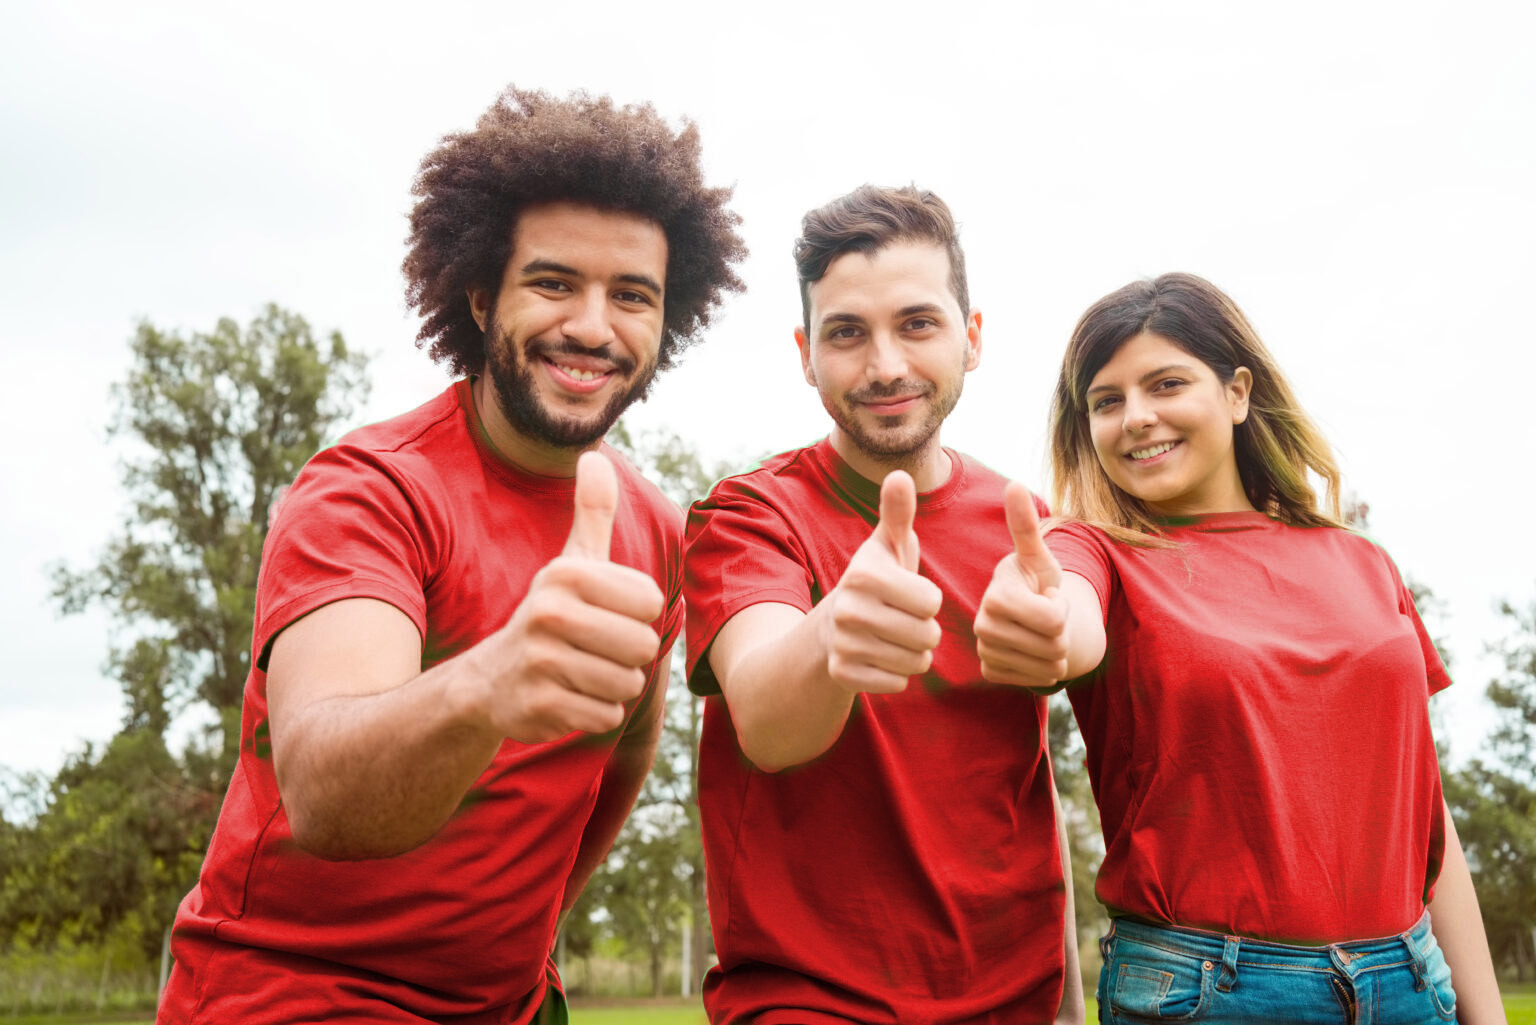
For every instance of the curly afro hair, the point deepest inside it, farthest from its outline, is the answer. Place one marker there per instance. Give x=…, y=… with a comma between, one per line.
x=531, y=148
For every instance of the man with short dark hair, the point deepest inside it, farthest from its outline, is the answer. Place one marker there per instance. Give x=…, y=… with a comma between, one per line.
x=464, y=613
x=880, y=826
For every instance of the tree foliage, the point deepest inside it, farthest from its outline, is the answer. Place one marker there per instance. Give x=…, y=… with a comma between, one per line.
x=212, y=425
x=1493, y=800
x=1085, y=846
x=652, y=885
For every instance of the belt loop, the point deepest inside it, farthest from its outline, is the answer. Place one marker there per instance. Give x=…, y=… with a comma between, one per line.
x=1417, y=962
x=1228, y=977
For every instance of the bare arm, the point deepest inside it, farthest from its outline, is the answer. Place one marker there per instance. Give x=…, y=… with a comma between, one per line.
x=1458, y=925
x=622, y=778
x=1073, y=1010
x=372, y=755
x=790, y=678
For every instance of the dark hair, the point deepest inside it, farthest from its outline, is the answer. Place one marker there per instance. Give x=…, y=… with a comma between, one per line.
x=870, y=218
x=531, y=148
x=1275, y=445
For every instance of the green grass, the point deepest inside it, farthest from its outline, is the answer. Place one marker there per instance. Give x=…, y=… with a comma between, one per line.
x=639, y=1014
x=1520, y=1004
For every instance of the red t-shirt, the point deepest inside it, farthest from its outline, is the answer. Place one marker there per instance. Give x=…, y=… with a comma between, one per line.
x=419, y=512
x=1258, y=733
x=911, y=873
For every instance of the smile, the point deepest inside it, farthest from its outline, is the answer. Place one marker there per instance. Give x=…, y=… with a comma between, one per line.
x=578, y=380
x=578, y=373
x=1156, y=450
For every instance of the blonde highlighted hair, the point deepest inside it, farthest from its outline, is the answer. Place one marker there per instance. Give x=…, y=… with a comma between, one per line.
x=1276, y=445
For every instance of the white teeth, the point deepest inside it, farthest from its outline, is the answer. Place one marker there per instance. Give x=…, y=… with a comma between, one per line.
x=1155, y=450
x=580, y=375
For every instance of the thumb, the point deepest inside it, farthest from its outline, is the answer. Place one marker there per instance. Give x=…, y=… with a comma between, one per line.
x=1028, y=547
x=898, y=508
x=597, y=497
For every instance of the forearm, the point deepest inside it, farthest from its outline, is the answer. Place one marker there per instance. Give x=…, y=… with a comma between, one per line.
x=1073, y=1010
x=373, y=775
x=1458, y=926
x=784, y=705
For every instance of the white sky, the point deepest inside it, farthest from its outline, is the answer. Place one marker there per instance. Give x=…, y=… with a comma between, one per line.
x=1359, y=176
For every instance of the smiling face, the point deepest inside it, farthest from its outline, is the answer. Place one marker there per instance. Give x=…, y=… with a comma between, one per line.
x=573, y=335
x=888, y=348
x=1162, y=426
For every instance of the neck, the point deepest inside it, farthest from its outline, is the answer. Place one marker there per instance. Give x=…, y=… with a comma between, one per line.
x=929, y=465
x=529, y=454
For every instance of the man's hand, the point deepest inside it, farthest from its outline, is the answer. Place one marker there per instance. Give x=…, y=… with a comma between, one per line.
x=880, y=626
x=1021, y=625
x=573, y=652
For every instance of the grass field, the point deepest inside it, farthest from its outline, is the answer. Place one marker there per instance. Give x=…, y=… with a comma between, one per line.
x=1520, y=1004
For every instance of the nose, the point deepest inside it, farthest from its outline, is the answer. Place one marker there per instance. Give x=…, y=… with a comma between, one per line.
x=1139, y=415
x=588, y=321
x=887, y=359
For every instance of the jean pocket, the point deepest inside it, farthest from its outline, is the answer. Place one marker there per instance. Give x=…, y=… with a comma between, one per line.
x=1160, y=988
x=1438, y=980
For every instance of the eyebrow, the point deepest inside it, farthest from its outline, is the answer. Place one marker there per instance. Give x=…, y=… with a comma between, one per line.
x=1144, y=378
x=901, y=314
x=552, y=267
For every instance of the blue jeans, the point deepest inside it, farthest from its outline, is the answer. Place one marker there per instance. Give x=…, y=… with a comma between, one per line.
x=1158, y=973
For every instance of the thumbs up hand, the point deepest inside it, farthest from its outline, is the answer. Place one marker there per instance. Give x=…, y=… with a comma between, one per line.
x=574, y=649
x=1021, y=625
x=879, y=627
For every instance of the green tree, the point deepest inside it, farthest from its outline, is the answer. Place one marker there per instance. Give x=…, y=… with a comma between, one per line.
x=213, y=426
x=1085, y=844
x=657, y=864
x=1493, y=800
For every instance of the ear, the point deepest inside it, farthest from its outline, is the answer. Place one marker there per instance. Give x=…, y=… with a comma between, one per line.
x=804, y=344
x=972, y=340
x=1238, y=390
x=479, y=305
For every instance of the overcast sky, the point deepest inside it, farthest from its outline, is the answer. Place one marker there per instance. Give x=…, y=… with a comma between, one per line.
x=1358, y=176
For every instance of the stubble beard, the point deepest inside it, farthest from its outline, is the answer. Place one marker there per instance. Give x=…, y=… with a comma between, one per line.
x=895, y=444
x=507, y=363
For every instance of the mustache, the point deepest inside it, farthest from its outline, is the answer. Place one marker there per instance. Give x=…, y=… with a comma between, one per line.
x=569, y=347
x=899, y=388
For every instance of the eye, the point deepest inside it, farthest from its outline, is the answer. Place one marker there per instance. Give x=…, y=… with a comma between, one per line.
x=1103, y=403
x=921, y=324
x=846, y=332
x=1169, y=384
x=629, y=295
x=549, y=285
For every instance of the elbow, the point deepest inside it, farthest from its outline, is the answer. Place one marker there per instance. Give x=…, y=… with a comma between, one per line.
x=762, y=758
x=317, y=843
x=325, y=832
x=768, y=752
x=321, y=836
x=760, y=751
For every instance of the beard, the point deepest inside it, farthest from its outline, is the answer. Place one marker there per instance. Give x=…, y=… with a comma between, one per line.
x=508, y=364
x=887, y=438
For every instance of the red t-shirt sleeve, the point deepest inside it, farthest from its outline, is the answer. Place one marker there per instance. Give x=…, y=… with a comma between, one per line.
x=346, y=529
x=737, y=551
x=1078, y=549
x=1434, y=668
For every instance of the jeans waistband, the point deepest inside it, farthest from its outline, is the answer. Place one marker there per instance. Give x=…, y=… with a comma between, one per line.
x=1351, y=957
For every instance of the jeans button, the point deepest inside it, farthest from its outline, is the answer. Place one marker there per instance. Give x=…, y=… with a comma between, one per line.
x=1208, y=966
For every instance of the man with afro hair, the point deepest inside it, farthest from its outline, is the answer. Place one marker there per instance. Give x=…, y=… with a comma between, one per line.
x=464, y=614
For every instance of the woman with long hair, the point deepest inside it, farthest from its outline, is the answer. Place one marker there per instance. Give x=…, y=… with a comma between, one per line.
x=1251, y=680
